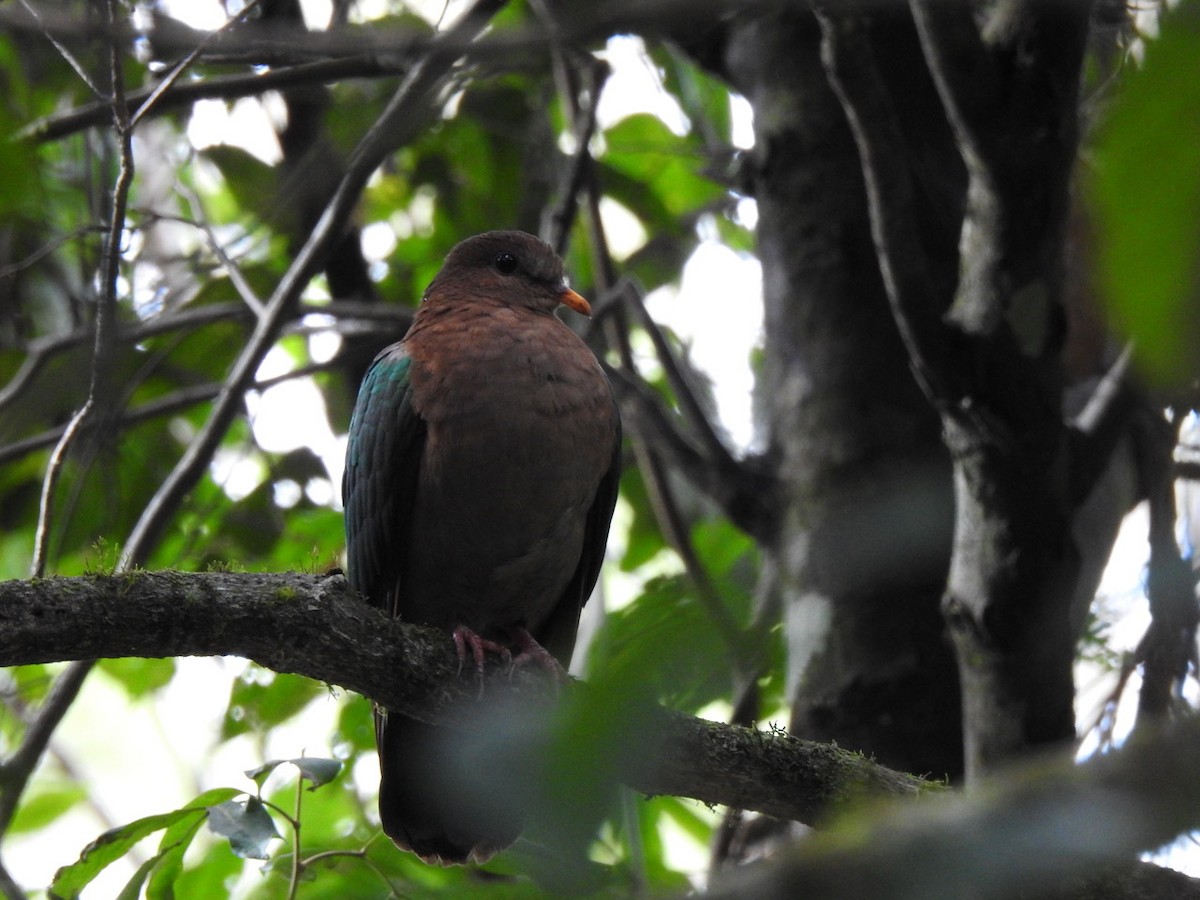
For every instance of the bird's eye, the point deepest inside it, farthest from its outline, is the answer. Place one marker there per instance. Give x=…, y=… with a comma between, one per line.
x=506, y=263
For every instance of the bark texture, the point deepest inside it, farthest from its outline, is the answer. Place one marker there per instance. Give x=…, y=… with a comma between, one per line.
x=864, y=540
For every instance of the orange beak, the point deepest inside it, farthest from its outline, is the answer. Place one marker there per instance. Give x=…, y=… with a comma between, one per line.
x=571, y=299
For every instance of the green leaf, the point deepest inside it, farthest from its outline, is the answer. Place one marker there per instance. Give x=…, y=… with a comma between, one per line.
x=253, y=183
x=108, y=848
x=1147, y=195
x=256, y=707
x=318, y=770
x=133, y=887
x=704, y=99
x=44, y=803
x=664, y=645
x=209, y=876
x=115, y=843
x=644, y=539
x=175, y=841
x=644, y=149
x=247, y=825
x=139, y=676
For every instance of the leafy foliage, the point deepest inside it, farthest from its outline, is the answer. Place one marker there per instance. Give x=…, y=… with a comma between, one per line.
x=1147, y=190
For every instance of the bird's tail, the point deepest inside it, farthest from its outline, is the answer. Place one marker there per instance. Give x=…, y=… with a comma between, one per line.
x=433, y=800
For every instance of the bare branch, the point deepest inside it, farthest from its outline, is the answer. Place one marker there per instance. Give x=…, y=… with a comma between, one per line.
x=961, y=65
x=236, y=278
x=63, y=51
x=21, y=764
x=1100, y=426
x=694, y=414
x=744, y=490
x=225, y=87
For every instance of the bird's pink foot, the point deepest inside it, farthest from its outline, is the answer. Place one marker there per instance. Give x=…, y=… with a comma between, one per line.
x=534, y=653
x=465, y=638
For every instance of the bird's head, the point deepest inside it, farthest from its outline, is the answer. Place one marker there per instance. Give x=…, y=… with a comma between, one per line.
x=511, y=267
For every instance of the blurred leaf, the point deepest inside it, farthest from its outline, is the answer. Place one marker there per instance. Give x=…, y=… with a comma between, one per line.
x=133, y=887
x=250, y=528
x=654, y=864
x=689, y=815
x=310, y=541
x=257, y=707
x=247, y=825
x=176, y=840
x=355, y=725
x=644, y=540
x=115, y=843
x=1147, y=195
x=138, y=676
x=31, y=682
x=728, y=553
x=704, y=99
x=43, y=803
x=644, y=149
x=209, y=876
x=253, y=183
x=664, y=645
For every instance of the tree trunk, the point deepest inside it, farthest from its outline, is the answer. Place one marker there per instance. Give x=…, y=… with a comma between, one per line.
x=865, y=538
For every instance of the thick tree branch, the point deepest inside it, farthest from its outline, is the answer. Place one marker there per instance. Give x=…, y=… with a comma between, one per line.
x=316, y=626
x=1026, y=831
x=1073, y=816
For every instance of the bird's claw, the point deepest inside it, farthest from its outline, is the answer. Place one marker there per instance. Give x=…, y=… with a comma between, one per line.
x=465, y=638
x=534, y=653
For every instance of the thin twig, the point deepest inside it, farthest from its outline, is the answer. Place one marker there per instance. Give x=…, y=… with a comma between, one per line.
x=218, y=87
x=40, y=352
x=184, y=64
x=66, y=54
x=48, y=249
x=294, y=880
x=694, y=414
x=234, y=271
x=1101, y=425
x=105, y=319
x=583, y=124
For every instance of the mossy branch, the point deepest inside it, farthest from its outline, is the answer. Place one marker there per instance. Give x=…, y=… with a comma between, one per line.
x=317, y=626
